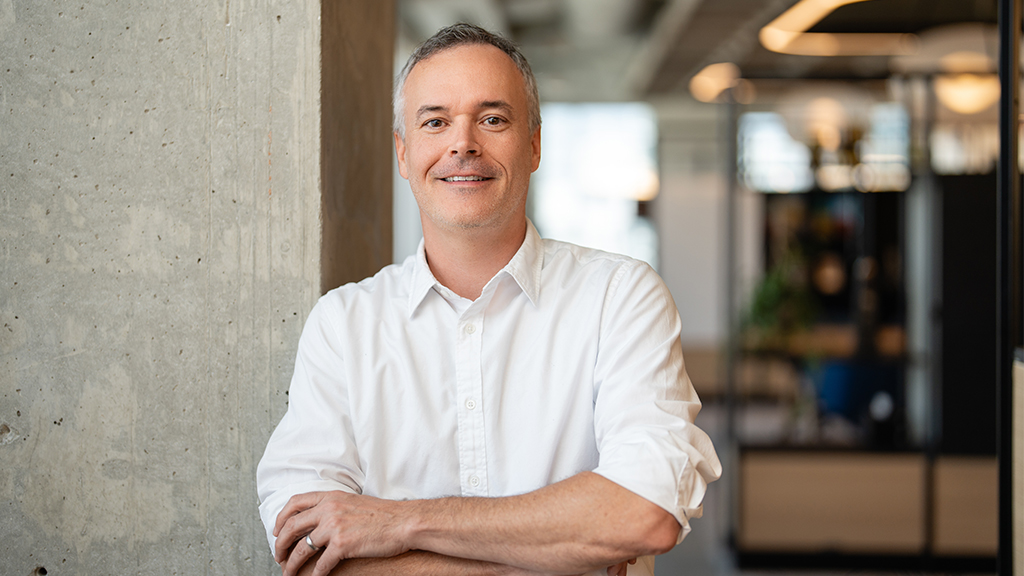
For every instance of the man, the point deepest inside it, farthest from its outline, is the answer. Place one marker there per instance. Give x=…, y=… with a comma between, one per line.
x=497, y=404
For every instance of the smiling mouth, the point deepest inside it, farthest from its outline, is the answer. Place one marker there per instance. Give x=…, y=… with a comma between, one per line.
x=465, y=179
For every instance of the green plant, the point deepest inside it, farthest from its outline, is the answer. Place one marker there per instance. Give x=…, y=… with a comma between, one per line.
x=782, y=304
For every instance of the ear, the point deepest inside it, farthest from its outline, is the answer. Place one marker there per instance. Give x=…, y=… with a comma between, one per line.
x=400, y=153
x=535, y=148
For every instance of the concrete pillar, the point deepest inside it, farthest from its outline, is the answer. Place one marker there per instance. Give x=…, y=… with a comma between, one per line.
x=160, y=247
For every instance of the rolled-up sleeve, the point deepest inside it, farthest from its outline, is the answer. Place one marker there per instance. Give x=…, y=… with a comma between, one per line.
x=645, y=404
x=313, y=448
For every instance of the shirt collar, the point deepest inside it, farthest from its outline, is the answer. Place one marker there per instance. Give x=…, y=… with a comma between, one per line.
x=422, y=280
x=524, y=267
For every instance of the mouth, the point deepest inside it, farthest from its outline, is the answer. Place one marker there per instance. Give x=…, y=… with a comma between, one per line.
x=465, y=178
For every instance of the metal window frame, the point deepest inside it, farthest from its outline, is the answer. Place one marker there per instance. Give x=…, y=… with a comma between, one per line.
x=1008, y=265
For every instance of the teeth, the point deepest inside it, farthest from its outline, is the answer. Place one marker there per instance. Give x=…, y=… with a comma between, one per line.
x=464, y=179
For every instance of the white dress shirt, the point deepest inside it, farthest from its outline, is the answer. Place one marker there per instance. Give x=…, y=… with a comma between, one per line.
x=568, y=361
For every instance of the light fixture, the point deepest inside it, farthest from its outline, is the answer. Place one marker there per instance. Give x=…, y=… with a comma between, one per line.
x=954, y=48
x=962, y=59
x=967, y=93
x=788, y=34
x=714, y=79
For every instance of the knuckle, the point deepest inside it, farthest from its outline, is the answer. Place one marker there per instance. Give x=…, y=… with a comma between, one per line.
x=339, y=542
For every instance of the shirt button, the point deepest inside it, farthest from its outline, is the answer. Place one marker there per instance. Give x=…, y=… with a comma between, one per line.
x=474, y=481
x=470, y=403
x=470, y=328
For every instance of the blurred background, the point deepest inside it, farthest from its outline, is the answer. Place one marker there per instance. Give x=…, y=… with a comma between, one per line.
x=815, y=181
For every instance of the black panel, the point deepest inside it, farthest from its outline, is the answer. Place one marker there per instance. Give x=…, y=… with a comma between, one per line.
x=968, y=420
x=845, y=563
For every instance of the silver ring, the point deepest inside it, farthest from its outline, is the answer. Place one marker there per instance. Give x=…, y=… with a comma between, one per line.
x=309, y=543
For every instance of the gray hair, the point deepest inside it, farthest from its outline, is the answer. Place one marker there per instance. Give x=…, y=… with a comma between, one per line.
x=461, y=35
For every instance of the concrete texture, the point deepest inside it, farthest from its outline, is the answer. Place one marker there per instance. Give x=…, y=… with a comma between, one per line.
x=159, y=250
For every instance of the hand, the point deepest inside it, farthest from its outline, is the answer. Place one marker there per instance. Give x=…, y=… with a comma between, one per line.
x=620, y=568
x=342, y=525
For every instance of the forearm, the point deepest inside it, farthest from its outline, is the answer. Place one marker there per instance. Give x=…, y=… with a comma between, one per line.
x=574, y=526
x=580, y=524
x=417, y=563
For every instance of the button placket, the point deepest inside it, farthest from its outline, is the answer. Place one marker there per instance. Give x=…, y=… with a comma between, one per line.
x=472, y=447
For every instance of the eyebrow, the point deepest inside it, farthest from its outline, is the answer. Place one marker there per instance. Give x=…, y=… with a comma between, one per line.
x=500, y=104
x=429, y=108
x=486, y=104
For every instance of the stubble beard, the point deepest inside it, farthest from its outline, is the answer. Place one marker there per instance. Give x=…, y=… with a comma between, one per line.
x=496, y=211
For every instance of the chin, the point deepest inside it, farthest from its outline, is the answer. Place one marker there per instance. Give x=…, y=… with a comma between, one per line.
x=470, y=223
x=466, y=224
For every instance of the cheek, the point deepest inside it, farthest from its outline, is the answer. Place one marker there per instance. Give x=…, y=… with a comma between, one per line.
x=524, y=151
x=420, y=158
x=524, y=160
x=414, y=165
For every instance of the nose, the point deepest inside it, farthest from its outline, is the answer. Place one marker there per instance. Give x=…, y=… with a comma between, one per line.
x=465, y=142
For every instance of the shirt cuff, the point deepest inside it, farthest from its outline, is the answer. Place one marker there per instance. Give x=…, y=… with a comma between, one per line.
x=272, y=506
x=678, y=493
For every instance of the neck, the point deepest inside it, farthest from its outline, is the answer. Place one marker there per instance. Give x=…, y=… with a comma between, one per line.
x=464, y=261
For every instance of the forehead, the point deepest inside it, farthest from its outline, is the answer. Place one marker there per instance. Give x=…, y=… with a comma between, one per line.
x=468, y=73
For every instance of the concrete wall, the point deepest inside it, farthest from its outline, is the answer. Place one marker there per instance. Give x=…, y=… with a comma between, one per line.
x=159, y=250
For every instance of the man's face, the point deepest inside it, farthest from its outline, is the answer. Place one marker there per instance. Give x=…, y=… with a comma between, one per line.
x=468, y=151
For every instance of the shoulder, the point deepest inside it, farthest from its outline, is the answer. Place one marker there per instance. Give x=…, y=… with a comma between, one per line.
x=370, y=294
x=564, y=258
x=388, y=280
x=623, y=286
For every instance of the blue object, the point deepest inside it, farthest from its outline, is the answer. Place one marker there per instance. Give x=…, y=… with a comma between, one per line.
x=846, y=387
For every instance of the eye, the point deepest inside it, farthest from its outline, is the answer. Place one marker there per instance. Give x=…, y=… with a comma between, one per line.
x=434, y=123
x=494, y=121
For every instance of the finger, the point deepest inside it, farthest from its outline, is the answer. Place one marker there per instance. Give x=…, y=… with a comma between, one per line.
x=299, y=555
x=281, y=556
x=307, y=568
x=292, y=534
x=331, y=557
x=283, y=546
x=295, y=504
x=632, y=561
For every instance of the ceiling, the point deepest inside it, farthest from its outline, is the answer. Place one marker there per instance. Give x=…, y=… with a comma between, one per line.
x=596, y=50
